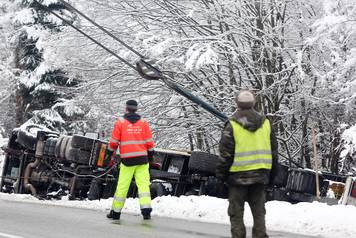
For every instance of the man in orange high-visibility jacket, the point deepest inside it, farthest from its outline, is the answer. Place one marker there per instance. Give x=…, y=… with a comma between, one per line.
x=133, y=136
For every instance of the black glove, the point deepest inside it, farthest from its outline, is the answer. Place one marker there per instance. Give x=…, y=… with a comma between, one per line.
x=108, y=154
x=116, y=159
x=150, y=156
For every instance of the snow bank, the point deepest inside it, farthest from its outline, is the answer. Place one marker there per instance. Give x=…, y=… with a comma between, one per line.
x=317, y=219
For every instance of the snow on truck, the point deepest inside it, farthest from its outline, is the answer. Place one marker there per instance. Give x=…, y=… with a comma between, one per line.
x=49, y=165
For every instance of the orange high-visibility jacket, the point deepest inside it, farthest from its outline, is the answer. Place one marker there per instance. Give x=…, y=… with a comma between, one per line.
x=134, y=139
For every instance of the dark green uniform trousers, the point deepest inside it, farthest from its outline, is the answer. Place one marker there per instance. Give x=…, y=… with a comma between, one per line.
x=255, y=196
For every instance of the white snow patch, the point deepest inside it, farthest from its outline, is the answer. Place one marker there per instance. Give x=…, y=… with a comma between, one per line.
x=317, y=219
x=70, y=108
x=42, y=87
x=349, y=136
x=33, y=32
x=209, y=57
x=49, y=115
x=351, y=59
x=191, y=13
x=49, y=2
x=24, y=17
x=192, y=56
x=160, y=48
x=43, y=68
x=199, y=56
x=34, y=78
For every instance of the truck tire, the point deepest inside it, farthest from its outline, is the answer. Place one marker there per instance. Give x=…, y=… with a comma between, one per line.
x=62, y=149
x=82, y=142
x=95, y=190
x=27, y=135
x=67, y=148
x=52, y=146
x=58, y=147
x=78, y=156
x=157, y=189
x=109, y=188
x=281, y=175
x=203, y=162
x=46, y=147
x=26, y=139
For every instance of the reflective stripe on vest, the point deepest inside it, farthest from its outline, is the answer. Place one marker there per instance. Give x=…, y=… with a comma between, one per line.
x=252, y=149
x=136, y=142
x=133, y=154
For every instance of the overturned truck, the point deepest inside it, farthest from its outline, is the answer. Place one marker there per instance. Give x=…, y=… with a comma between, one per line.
x=48, y=165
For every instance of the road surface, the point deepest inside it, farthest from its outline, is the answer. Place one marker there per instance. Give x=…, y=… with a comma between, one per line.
x=28, y=220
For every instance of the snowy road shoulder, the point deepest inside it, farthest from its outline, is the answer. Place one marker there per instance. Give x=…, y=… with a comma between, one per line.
x=315, y=219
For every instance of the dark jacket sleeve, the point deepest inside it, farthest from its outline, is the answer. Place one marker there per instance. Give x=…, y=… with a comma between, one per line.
x=227, y=152
x=150, y=155
x=274, y=147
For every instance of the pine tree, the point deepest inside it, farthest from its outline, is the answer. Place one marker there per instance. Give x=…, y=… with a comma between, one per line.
x=44, y=92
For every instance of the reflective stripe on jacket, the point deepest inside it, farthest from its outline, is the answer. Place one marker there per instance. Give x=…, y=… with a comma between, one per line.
x=133, y=139
x=252, y=148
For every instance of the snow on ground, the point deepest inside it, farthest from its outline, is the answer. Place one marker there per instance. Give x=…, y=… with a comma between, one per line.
x=316, y=219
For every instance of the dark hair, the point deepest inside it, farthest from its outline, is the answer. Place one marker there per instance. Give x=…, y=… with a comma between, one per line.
x=131, y=106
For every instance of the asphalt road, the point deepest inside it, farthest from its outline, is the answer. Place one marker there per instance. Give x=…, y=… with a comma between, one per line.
x=28, y=220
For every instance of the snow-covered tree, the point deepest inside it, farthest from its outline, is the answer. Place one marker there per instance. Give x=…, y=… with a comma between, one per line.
x=44, y=92
x=298, y=57
x=7, y=74
x=330, y=52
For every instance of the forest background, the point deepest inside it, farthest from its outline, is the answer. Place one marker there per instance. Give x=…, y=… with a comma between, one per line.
x=299, y=57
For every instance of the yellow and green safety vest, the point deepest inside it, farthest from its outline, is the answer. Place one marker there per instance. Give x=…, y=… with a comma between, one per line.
x=252, y=148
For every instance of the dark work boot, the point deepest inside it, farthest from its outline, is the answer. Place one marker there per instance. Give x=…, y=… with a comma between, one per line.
x=146, y=213
x=113, y=215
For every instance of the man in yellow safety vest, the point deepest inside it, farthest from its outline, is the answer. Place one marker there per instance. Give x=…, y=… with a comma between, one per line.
x=247, y=147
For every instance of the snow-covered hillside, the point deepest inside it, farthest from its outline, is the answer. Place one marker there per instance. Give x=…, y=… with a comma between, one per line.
x=316, y=219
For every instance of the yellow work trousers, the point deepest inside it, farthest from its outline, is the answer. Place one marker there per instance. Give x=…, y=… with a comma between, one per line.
x=142, y=178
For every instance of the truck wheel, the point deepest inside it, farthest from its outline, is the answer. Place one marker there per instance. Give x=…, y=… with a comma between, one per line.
x=95, y=190
x=157, y=190
x=82, y=142
x=46, y=147
x=58, y=147
x=27, y=136
x=203, y=162
x=280, y=175
x=109, y=188
x=52, y=146
x=67, y=148
x=62, y=149
x=78, y=156
x=192, y=192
